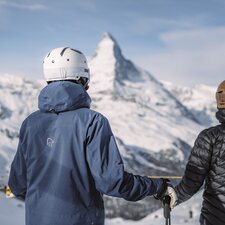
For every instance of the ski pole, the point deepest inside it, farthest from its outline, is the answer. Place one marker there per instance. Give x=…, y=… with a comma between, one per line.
x=166, y=206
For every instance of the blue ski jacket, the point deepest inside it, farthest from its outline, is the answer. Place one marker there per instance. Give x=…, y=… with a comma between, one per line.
x=67, y=158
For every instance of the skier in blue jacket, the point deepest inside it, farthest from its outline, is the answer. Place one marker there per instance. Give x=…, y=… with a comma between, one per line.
x=67, y=156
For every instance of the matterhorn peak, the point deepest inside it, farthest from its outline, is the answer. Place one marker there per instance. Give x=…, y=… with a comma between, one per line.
x=109, y=36
x=110, y=66
x=109, y=48
x=103, y=64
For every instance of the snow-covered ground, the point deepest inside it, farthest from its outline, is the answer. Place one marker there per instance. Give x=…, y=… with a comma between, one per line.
x=12, y=213
x=180, y=215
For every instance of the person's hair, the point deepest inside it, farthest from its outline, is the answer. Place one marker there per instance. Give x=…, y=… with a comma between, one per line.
x=82, y=81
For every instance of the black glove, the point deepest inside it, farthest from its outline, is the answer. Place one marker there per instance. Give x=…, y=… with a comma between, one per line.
x=163, y=190
x=167, y=190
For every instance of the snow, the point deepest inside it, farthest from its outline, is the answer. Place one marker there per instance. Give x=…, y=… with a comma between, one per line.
x=103, y=72
x=18, y=98
x=200, y=100
x=12, y=212
x=179, y=215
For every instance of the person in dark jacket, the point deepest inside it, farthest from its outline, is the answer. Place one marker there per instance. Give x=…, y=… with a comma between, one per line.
x=206, y=164
x=67, y=156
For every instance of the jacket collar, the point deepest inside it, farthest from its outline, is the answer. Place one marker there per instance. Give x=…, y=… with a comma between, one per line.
x=220, y=115
x=63, y=96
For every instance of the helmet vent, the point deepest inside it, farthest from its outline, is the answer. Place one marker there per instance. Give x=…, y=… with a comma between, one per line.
x=62, y=52
x=48, y=54
x=76, y=51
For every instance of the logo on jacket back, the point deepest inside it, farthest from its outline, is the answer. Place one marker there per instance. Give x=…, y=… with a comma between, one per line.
x=50, y=142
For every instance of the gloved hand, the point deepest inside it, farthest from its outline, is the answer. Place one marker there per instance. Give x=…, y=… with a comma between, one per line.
x=167, y=189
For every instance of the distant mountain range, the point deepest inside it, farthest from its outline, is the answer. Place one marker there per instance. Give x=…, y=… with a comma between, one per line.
x=155, y=123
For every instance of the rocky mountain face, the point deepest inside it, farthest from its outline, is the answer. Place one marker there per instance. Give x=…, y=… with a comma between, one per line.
x=155, y=124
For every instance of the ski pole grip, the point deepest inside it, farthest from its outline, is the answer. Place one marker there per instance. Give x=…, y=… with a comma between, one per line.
x=166, y=205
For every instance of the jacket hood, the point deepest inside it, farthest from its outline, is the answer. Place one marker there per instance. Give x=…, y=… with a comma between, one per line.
x=220, y=115
x=63, y=96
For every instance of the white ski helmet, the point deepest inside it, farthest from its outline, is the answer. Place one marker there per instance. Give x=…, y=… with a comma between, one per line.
x=65, y=64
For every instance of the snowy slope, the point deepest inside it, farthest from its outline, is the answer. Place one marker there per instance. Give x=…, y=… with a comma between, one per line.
x=200, y=100
x=12, y=213
x=18, y=98
x=154, y=126
x=179, y=215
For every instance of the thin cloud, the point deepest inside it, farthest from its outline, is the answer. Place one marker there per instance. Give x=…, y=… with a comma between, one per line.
x=198, y=37
x=190, y=56
x=144, y=26
x=31, y=7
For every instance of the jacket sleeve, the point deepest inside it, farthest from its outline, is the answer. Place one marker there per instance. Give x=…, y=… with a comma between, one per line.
x=107, y=167
x=17, y=178
x=196, y=169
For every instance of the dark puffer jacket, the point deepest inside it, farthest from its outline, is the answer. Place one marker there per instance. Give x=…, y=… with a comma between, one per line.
x=207, y=163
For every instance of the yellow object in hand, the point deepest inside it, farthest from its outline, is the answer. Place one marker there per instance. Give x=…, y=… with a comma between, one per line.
x=8, y=192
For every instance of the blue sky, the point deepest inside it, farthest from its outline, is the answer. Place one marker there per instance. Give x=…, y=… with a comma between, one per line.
x=176, y=40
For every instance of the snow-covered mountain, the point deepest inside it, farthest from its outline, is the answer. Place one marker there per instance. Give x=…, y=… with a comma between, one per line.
x=18, y=98
x=144, y=115
x=200, y=101
x=155, y=128
x=155, y=124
